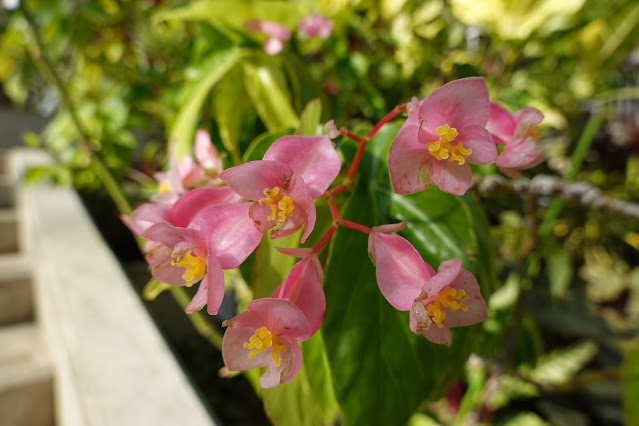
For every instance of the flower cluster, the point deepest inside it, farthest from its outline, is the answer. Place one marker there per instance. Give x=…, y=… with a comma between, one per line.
x=202, y=229
x=277, y=35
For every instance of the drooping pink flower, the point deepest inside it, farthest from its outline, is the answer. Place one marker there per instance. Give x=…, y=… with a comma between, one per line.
x=436, y=301
x=267, y=335
x=276, y=34
x=316, y=25
x=186, y=174
x=294, y=171
x=440, y=138
x=518, y=133
x=218, y=237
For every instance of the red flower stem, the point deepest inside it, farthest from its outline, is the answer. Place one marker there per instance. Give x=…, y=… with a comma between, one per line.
x=356, y=226
x=333, y=207
x=389, y=117
x=355, y=164
x=353, y=136
x=326, y=238
x=338, y=189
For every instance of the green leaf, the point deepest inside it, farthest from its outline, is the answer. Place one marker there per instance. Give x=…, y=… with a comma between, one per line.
x=230, y=102
x=630, y=384
x=260, y=144
x=235, y=13
x=310, y=119
x=270, y=97
x=560, y=270
x=319, y=377
x=561, y=365
x=211, y=71
x=271, y=266
x=382, y=371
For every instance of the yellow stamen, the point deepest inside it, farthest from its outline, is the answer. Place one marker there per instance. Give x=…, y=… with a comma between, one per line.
x=443, y=149
x=280, y=205
x=446, y=298
x=195, y=268
x=163, y=188
x=261, y=340
x=533, y=132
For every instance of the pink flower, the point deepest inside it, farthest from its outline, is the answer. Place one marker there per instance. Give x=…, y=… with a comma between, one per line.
x=217, y=237
x=295, y=170
x=436, y=301
x=440, y=138
x=277, y=34
x=186, y=174
x=267, y=335
x=316, y=25
x=518, y=133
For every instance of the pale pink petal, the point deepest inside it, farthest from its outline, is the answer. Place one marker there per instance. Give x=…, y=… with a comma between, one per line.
x=215, y=284
x=438, y=335
x=459, y=103
x=272, y=46
x=446, y=274
x=390, y=228
x=233, y=351
x=312, y=157
x=303, y=287
x=154, y=213
x=400, y=270
x=500, y=123
x=193, y=201
x=311, y=215
x=199, y=300
x=282, y=317
x=526, y=118
x=170, y=235
x=290, y=364
x=165, y=198
x=316, y=25
x=166, y=273
x=205, y=152
x=252, y=178
x=331, y=130
x=521, y=154
x=406, y=161
x=448, y=176
x=230, y=232
x=479, y=140
x=137, y=227
x=477, y=310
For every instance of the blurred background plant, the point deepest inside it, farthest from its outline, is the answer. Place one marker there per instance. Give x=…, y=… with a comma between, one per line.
x=121, y=79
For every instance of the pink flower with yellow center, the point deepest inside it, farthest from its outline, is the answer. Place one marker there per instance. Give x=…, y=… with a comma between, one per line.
x=520, y=136
x=442, y=134
x=295, y=170
x=438, y=300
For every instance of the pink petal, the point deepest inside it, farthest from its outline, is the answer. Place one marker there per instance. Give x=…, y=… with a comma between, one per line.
x=272, y=46
x=477, y=310
x=526, y=118
x=230, y=232
x=479, y=140
x=448, y=176
x=521, y=154
x=166, y=273
x=438, y=335
x=282, y=317
x=400, y=270
x=303, y=287
x=459, y=103
x=154, y=213
x=205, y=152
x=215, y=284
x=311, y=214
x=446, y=274
x=233, y=351
x=390, y=228
x=199, y=300
x=290, y=364
x=252, y=178
x=170, y=235
x=500, y=123
x=137, y=227
x=193, y=201
x=406, y=159
x=165, y=198
x=312, y=157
